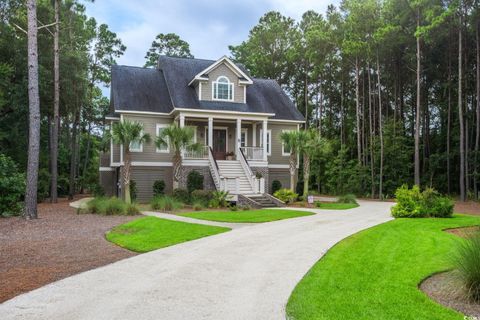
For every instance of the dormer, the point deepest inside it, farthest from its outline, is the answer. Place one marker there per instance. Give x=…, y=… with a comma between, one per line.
x=222, y=81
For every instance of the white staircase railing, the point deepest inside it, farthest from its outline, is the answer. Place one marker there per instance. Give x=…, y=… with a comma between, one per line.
x=253, y=153
x=248, y=172
x=217, y=179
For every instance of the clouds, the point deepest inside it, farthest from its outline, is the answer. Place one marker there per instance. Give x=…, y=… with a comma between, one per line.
x=208, y=26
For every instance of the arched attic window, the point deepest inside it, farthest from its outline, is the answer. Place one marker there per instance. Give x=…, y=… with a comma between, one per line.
x=222, y=89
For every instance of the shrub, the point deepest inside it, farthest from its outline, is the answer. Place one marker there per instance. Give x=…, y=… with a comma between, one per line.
x=165, y=203
x=203, y=196
x=115, y=206
x=133, y=190
x=219, y=199
x=233, y=208
x=97, y=190
x=12, y=187
x=246, y=208
x=158, y=188
x=467, y=262
x=347, y=198
x=198, y=205
x=413, y=203
x=276, y=185
x=194, y=181
x=317, y=204
x=181, y=195
x=132, y=209
x=286, y=195
x=110, y=206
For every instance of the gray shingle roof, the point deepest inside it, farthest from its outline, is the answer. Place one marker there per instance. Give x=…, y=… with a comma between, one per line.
x=159, y=90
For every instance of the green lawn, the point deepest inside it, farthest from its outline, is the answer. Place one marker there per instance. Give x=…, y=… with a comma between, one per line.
x=150, y=233
x=375, y=274
x=337, y=206
x=262, y=215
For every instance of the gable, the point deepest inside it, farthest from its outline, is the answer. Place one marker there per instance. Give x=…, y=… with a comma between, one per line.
x=221, y=71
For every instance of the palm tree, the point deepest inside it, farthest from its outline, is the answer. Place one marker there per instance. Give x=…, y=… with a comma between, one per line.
x=177, y=139
x=311, y=146
x=124, y=133
x=292, y=141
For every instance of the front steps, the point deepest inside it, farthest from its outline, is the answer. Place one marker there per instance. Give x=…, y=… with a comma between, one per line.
x=231, y=170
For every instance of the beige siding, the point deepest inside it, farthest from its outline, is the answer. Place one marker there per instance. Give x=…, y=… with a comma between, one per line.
x=144, y=178
x=223, y=70
x=276, y=156
x=149, y=153
x=282, y=175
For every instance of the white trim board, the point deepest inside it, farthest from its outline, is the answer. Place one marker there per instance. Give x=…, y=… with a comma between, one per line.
x=105, y=169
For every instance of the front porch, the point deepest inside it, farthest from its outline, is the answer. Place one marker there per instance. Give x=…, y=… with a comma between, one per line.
x=230, y=148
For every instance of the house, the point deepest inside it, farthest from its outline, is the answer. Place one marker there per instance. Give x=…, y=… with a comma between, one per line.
x=231, y=113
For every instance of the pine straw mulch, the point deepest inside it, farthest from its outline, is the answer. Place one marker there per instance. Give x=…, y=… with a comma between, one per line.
x=59, y=244
x=446, y=288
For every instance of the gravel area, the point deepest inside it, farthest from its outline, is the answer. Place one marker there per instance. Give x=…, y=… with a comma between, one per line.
x=445, y=288
x=57, y=245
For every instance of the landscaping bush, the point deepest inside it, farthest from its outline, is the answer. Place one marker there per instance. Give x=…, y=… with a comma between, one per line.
x=165, y=203
x=97, y=190
x=203, y=196
x=181, y=195
x=194, y=181
x=276, y=185
x=12, y=187
x=286, y=195
x=233, y=208
x=110, y=206
x=219, y=199
x=198, y=205
x=347, y=198
x=413, y=203
x=467, y=262
x=133, y=190
x=158, y=188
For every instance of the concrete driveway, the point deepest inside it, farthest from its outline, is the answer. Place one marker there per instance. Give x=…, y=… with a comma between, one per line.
x=247, y=273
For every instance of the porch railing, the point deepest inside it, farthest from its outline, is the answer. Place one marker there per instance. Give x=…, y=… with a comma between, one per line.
x=248, y=172
x=217, y=179
x=202, y=153
x=253, y=153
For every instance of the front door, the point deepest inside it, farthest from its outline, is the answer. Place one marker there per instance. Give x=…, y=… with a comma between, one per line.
x=219, y=144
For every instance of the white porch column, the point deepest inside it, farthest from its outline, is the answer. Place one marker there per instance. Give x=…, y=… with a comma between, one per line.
x=264, y=139
x=239, y=135
x=254, y=134
x=182, y=121
x=210, y=132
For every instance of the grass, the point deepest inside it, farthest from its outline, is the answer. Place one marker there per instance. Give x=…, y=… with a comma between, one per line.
x=375, y=274
x=151, y=233
x=335, y=205
x=254, y=216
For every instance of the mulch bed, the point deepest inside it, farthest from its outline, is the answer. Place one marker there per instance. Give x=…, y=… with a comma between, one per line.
x=57, y=245
x=445, y=288
x=469, y=207
x=464, y=232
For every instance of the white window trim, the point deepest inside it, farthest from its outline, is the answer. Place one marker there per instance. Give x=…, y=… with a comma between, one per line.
x=140, y=149
x=285, y=154
x=158, y=126
x=230, y=84
x=269, y=142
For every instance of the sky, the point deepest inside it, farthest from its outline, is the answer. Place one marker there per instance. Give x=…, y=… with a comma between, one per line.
x=208, y=26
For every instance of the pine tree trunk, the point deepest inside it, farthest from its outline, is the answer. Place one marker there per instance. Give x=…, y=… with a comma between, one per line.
x=34, y=114
x=370, y=124
x=357, y=102
x=380, y=131
x=460, y=113
x=417, y=113
x=449, y=121
x=87, y=153
x=477, y=134
x=73, y=155
x=56, y=107
x=305, y=93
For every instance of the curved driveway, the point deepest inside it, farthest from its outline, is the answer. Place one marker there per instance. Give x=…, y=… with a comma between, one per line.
x=247, y=273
